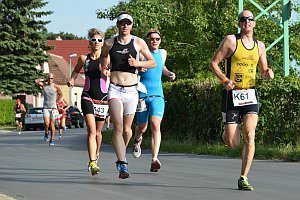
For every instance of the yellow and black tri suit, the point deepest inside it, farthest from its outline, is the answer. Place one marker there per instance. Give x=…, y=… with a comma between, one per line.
x=241, y=68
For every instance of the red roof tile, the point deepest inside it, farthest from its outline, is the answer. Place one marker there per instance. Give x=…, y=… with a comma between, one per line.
x=66, y=47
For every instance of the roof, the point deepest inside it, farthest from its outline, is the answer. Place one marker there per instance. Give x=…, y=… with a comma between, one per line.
x=61, y=70
x=65, y=48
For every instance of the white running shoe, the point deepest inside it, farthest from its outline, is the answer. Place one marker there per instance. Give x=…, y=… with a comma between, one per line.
x=137, y=151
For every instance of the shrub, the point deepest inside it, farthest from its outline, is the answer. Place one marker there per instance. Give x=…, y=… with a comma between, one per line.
x=7, y=116
x=193, y=110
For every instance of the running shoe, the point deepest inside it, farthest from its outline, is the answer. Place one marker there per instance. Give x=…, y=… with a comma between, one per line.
x=243, y=184
x=123, y=174
x=137, y=151
x=96, y=161
x=20, y=132
x=60, y=137
x=155, y=166
x=52, y=143
x=46, y=138
x=118, y=165
x=93, y=168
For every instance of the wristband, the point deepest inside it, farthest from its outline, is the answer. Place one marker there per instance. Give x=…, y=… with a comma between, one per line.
x=225, y=80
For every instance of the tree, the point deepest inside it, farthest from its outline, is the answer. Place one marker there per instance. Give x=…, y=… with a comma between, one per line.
x=193, y=29
x=63, y=36
x=22, y=45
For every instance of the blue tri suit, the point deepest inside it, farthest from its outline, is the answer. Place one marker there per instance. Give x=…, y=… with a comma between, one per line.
x=154, y=98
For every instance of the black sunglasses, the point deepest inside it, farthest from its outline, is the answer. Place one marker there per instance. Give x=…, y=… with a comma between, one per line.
x=51, y=78
x=154, y=39
x=243, y=19
x=123, y=22
x=96, y=40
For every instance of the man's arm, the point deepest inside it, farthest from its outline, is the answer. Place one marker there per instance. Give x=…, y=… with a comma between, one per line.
x=169, y=74
x=23, y=108
x=223, y=52
x=149, y=61
x=265, y=71
x=40, y=82
x=166, y=71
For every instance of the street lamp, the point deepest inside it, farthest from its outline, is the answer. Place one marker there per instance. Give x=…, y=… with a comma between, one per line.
x=73, y=55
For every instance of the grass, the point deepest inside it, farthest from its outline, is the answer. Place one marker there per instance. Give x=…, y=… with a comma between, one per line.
x=8, y=128
x=262, y=152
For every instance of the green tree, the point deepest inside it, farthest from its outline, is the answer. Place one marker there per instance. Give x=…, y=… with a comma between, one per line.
x=63, y=36
x=193, y=29
x=22, y=45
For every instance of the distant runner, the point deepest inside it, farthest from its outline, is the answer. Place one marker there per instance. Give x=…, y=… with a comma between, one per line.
x=19, y=110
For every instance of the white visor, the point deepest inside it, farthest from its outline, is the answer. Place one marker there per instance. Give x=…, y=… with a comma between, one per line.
x=125, y=16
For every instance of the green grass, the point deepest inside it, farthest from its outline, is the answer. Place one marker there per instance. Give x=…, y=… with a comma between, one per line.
x=8, y=128
x=262, y=152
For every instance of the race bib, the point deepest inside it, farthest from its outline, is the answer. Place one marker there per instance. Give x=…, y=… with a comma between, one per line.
x=18, y=115
x=244, y=97
x=100, y=110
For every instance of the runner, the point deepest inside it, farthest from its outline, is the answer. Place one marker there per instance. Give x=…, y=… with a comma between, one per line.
x=151, y=105
x=19, y=109
x=124, y=51
x=52, y=94
x=62, y=107
x=93, y=99
x=242, y=53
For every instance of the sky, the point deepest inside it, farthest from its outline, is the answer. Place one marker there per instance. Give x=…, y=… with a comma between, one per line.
x=77, y=17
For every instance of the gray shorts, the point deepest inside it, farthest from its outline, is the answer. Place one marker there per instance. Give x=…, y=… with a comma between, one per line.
x=51, y=113
x=128, y=95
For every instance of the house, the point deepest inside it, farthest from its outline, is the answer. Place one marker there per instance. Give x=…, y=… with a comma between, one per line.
x=63, y=58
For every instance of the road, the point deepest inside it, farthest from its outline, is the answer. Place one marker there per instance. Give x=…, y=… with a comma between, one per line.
x=31, y=170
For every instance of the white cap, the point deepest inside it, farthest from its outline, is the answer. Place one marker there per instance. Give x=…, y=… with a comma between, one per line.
x=125, y=16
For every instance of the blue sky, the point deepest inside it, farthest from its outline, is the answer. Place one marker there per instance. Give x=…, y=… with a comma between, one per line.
x=77, y=17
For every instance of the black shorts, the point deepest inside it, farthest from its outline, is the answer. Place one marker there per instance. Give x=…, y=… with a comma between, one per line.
x=88, y=108
x=234, y=114
x=18, y=119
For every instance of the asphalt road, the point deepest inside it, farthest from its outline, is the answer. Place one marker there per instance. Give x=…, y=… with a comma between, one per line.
x=31, y=170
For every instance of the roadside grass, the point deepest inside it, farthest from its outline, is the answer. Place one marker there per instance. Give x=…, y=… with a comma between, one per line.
x=8, y=128
x=262, y=152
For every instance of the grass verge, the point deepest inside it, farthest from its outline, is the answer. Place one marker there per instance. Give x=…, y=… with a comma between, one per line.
x=262, y=152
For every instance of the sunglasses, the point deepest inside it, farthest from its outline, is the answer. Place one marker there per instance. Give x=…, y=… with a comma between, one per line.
x=51, y=78
x=122, y=23
x=154, y=39
x=243, y=19
x=96, y=40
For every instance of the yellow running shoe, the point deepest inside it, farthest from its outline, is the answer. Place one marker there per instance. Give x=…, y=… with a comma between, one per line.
x=243, y=184
x=94, y=168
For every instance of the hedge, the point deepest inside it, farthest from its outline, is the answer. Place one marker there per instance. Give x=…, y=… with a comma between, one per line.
x=193, y=110
x=7, y=115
